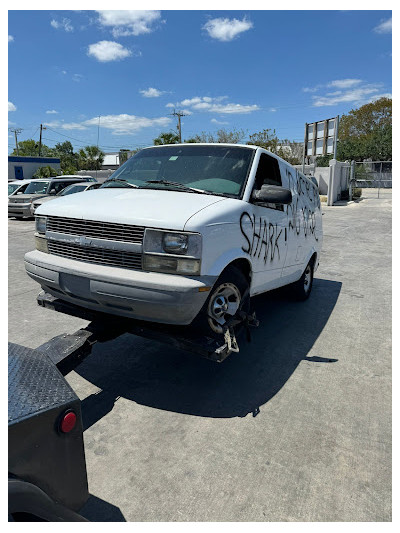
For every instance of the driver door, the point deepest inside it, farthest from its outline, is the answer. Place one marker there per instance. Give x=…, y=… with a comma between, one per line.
x=266, y=230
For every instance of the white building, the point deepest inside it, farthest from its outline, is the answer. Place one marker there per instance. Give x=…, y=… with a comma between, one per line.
x=23, y=167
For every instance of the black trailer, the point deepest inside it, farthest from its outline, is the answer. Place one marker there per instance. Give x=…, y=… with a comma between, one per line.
x=47, y=478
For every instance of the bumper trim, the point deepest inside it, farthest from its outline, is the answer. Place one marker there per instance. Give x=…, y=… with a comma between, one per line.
x=155, y=297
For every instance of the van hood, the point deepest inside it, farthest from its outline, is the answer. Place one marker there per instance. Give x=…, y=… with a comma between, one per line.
x=139, y=207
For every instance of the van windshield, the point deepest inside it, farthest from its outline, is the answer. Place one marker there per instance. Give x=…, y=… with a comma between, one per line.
x=37, y=187
x=214, y=169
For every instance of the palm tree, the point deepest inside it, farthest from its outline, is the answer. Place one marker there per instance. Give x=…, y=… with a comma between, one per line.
x=90, y=158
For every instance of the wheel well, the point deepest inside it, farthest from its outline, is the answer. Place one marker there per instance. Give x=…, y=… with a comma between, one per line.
x=244, y=266
x=313, y=259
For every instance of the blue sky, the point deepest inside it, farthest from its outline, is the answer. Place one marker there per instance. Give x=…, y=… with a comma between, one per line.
x=225, y=69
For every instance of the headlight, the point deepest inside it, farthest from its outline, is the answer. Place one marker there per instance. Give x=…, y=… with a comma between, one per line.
x=40, y=223
x=175, y=243
x=172, y=242
x=163, y=251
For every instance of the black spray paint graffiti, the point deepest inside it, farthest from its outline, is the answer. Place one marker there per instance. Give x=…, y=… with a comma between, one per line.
x=305, y=190
x=262, y=239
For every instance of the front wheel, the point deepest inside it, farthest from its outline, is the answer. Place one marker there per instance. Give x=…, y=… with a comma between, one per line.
x=230, y=293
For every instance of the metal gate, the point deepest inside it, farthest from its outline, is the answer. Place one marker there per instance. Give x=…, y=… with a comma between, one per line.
x=371, y=175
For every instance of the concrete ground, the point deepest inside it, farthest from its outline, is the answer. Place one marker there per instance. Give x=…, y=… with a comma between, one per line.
x=296, y=427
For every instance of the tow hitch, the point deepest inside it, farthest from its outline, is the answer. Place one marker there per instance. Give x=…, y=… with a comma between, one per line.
x=71, y=349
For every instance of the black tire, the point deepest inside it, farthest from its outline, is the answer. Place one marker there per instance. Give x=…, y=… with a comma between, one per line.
x=227, y=292
x=301, y=289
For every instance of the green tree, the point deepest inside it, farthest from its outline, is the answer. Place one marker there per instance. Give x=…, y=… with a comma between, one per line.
x=123, y=155
x=221, y=136
x=69, y=161
x=366, y=132
x=45, y=172
x=30, y=147
x=90, y=158
x=166, y=138
x=266, y=139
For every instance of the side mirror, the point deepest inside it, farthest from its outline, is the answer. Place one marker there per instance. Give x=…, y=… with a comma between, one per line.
x=52, y=192
x=272, y=194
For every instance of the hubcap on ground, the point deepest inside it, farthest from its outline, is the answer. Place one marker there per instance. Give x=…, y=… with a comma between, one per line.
x=225, y=300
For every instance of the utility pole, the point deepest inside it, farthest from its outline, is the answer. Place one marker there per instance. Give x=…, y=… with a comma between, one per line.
x=16, y=132
x=98, y=136
x=179, y=114
x=40, y=138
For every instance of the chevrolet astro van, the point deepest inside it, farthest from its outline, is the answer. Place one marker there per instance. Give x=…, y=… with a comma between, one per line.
x=180, y=234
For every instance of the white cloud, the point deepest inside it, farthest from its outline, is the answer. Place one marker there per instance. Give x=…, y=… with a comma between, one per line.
x=272, y=110
x=129, y=22
x=221, y=122
x=224, y=29
x=10, y=38
x=151, y=92
x=77, y=77
x=385, y=26
x=74, y=126
x=11, y=107
x=127, y=124
x=214, y=105
x=65, y=24
x=358, y=95
x=105, y=51
x=52, y=112
x=344, y=84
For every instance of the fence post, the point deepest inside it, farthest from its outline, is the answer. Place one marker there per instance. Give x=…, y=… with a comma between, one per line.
x=352, y=169
x=380, y=179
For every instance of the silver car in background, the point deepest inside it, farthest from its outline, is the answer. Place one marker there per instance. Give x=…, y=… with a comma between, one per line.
x=71, y=189
x=19, y=205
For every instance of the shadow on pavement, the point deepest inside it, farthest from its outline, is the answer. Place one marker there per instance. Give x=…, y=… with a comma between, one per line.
x=97, y=510
x=163, y=377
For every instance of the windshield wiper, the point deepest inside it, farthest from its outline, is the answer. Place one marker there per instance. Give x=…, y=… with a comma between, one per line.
x=179, y=185
x=122, y=180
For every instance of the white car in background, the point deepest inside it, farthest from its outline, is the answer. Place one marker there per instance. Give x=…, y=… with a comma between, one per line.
x=71, y=189
x=17, y=186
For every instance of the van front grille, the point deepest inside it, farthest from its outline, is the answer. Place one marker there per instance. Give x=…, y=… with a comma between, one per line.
x=102, y=256
x=95, y=229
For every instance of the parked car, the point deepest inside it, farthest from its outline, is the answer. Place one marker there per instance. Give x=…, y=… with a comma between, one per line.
x=71, y=189
x=19, y=206
x=182, y=234
x=17, y=186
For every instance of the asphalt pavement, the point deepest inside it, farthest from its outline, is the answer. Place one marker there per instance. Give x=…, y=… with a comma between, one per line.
x=296, y=427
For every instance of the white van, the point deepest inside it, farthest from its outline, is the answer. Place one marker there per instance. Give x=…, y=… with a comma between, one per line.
x=182, y=232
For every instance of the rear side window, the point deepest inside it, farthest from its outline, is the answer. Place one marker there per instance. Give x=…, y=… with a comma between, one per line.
x=268, y=172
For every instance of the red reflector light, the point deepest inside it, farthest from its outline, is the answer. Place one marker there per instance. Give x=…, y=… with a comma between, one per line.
x=68, y=422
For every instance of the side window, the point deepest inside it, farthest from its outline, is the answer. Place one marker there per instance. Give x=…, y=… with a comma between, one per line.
x=268, y=172
x=53, y=187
